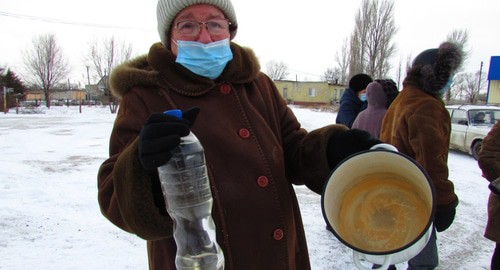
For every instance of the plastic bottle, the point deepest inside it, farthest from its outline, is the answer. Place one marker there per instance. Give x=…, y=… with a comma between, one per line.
x=186, y=189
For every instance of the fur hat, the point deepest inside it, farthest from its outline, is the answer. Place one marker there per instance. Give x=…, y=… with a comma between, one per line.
x=432, y=69
x=167, y=10
x=359, y=82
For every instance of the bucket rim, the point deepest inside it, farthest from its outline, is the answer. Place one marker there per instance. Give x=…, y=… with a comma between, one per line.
x=393, y=251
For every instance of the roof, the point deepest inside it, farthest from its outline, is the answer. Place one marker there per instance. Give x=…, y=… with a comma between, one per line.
x=473, y=107
x=494, y=72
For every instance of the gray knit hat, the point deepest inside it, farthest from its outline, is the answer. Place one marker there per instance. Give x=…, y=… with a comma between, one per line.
x=166, y=11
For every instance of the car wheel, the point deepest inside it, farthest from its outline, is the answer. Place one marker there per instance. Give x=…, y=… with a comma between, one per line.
x=476, y=148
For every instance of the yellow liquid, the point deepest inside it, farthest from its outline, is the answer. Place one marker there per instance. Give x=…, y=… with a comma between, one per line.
x=382, y=213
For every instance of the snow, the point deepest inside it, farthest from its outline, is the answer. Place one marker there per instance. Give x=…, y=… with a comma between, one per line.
x=50, y=218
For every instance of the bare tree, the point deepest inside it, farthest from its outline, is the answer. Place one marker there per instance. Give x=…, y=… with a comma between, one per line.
x=371, y=41
x=342, y=61
x=101, y=58
x=460, y=37
x=277, y=70
x=356, y=52
x=331, y=75
x=466, y=86
x=45, y=64
x=379, y=45
x=399, y=73
x=403, y=67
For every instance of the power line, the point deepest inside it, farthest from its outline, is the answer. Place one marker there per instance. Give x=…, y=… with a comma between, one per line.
x=51, y=20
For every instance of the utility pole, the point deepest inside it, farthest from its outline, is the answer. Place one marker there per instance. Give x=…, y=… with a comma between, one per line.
x=4, y=99
x=5, y=71
x=479, y=83
x=88, y=75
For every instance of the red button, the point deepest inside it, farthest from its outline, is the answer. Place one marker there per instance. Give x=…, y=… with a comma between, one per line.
x=278, y=234
x=225, y=89
x=244, y=133
x=262, y=181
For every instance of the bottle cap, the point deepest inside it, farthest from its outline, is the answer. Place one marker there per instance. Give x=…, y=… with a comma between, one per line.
x=175, y=113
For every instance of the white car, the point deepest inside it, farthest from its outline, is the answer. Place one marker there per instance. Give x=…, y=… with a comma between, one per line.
x=470, y=124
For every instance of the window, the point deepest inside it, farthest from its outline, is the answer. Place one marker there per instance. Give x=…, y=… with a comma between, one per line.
x=459, y=117
x=312, y=92
x=285, y=92
x=479, y=117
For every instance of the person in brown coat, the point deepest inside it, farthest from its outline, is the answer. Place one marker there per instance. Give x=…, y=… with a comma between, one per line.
x=254, y=146
x=489, y=162
x=418, y=125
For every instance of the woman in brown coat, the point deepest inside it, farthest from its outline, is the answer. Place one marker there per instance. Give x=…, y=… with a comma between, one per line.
x=255, y=148
x=418, y=125
x=489, y=162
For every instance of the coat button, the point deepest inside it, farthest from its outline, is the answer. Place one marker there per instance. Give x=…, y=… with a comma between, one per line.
x=278, y=234
x=225, y=89
x=262, y=181
x=244, y=133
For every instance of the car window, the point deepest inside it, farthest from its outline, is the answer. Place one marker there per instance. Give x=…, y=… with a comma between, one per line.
x=484, y=117
x=459, y=117
x=479, y=117
x=495, y=116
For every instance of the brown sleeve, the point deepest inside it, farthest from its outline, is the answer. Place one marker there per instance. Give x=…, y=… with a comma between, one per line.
x=489, y=156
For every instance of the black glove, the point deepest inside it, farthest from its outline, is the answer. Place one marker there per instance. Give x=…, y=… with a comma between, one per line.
x=347, y=143
x=160, y=134
x=444, y=219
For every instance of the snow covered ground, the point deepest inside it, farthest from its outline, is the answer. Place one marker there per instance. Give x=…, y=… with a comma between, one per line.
x=50, y=219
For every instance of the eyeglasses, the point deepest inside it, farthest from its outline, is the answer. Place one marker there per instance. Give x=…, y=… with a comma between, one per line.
x=193, y=28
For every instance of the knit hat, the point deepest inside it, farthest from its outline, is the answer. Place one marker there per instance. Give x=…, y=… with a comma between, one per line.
x=359, y=82
x=167, y=10
x=432, y=69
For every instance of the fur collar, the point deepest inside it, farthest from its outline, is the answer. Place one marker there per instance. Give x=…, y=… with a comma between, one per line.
x=158, y=69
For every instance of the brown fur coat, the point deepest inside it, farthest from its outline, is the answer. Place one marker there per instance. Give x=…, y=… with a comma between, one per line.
x=418, y=124
x=489, y=162
x=255, y=150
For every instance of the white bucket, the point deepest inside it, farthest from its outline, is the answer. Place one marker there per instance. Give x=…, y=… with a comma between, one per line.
x=381, y=204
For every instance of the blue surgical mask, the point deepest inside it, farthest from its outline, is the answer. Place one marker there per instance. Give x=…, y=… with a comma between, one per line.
x=446, y=87
x=362, y=97
x=207, y=60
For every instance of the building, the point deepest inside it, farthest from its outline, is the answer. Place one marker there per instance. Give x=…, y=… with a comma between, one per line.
x=93, y=94
x=96, y=92
x=493, y=94
x=310, y=93
x=34, y=95
x=57, y=96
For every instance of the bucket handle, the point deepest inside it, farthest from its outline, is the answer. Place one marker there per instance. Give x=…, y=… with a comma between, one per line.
x=358, y=257
x=385, y=146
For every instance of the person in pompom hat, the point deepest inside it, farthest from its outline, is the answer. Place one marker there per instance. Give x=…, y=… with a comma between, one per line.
x=255, y=149
x=353, y=99
x=418, y=125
